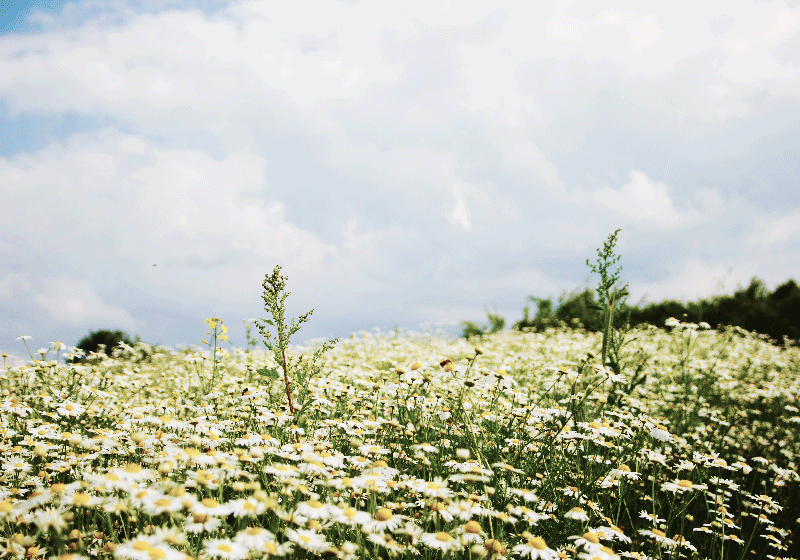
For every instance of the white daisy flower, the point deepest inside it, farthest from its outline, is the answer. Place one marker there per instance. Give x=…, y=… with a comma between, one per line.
x=139, y=547
x=534, y=548
x=384, y=520
x=387, y=541
x=660, y=433
x=210, y=506
x=578, y=514
x=225, y=548
x=350, y=516
x=254, y=538
x=281, y=470
x=314, y=509
x=245, y=507
x=50, y=519
x=308, y=539
x=202, y=522
x=471, y=532
x=440, y=541
x=158, y=503
x=70, y=409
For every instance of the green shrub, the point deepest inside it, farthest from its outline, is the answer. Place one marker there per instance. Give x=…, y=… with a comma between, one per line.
x=103, y=339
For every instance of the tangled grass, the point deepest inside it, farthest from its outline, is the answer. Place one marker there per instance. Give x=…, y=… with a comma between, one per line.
x=411, y=447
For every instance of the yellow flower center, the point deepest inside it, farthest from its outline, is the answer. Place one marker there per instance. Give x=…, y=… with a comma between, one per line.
x=685, y=483
x=591, y=537
x=383, y=514
x=253, y=531
x=80, y=499
x=658, y=533
x=163, y=502
x=537, y=543
x=624, y=468
x=472, y=527
x=156, y=553
x=141, y=545
x=133, y=468
x=494, y=546
x=443, y=537
x=210, y=502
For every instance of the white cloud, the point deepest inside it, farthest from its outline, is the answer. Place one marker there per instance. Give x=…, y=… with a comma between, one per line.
x=776, y=233
x=459, y=214
x=70, y=301
x=649, y=203
x=692, y=279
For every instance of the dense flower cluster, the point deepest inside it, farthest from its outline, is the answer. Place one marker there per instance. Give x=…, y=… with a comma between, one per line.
x=406, y=446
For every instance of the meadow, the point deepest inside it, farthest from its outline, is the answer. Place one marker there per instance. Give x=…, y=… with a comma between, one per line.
x=657, y=442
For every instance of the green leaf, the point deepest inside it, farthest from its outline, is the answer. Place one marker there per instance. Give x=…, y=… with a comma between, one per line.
x=267, y=372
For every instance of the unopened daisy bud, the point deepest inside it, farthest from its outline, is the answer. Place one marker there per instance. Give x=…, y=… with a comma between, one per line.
x=399, y=369
x=478, y=350
x=495, y=547
x=478, y=550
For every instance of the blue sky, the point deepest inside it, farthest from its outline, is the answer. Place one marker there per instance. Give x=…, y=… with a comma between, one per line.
x=406, y=163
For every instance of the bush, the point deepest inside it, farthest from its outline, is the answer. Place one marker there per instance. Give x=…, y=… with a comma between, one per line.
x=102, y=339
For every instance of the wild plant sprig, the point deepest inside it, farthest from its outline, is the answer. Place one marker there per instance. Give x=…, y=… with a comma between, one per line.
x=608, y=300
x=220, y=333
x=274, y=286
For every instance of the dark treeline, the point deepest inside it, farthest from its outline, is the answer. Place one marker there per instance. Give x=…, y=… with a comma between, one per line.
x=754, y=308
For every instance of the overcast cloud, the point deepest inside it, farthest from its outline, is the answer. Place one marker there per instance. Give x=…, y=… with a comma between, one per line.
x=406, y=163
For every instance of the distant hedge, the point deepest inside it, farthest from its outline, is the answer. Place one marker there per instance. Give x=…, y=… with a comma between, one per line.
x=107, y=338
x=753, y=308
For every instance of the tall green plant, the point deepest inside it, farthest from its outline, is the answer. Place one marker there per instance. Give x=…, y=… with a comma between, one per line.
x=609, y=300
x=273, y=288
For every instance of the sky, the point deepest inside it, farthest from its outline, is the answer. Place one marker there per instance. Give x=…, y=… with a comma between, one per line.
x=408, y=164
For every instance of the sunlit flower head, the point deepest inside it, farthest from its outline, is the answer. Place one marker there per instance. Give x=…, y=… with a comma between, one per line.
x=385, y=520
x=307, y=539
x=226, y=549
x=535, y=547
x=442, y=541
x=254, y=538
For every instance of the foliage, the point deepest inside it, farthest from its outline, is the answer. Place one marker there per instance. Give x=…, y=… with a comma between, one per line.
x=545, y=317
x=273, y=287
x=470, y=329
x=103, y=340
